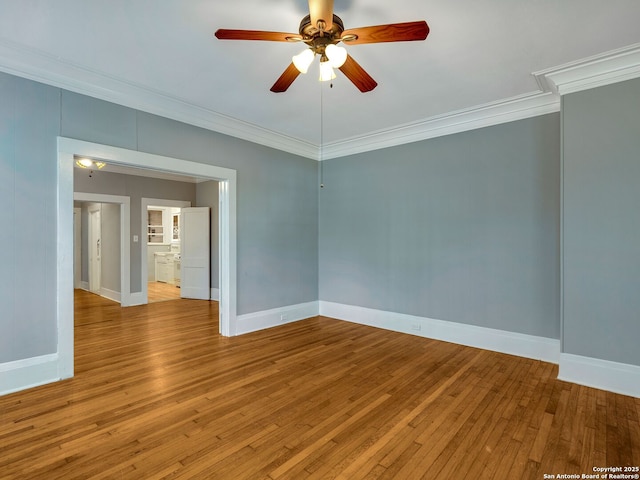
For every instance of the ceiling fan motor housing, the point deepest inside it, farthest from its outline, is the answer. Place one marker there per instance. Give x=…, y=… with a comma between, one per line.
x=316, y=37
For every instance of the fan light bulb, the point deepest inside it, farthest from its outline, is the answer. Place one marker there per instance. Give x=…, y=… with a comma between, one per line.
x=303, y=60
x=326, y=71
x=336, y=55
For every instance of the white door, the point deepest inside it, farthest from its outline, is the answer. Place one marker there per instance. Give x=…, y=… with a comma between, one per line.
x=77, y=247
x=95, y=251
x=195, y=250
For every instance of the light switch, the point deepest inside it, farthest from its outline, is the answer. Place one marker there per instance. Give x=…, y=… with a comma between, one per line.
x=135, y=239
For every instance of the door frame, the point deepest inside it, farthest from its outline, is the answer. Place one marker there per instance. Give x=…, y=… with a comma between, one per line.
x=125, y=253
x=147, y=202
x=68, y=149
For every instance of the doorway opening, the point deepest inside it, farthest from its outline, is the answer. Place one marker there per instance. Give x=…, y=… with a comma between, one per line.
x=85, y=277
x=68, y=149
x=161, y=249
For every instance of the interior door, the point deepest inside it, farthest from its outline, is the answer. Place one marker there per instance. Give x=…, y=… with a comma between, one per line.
x=77, y=247
x=95, y=251
x=195, y=276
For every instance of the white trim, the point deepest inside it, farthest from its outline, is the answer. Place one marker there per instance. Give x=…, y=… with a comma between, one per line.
x=64, y=262
x=106, y=293
x=110, y=295
x=77, y=247
x=37, y=65
x=136, y=298
x=614, y=377
x=30, y=372
x=604, y=69
x=610, y=67
x=227, y=182
x=528, y=346
x=252, y=322
x=226, y=177
x=124, y=297
x=227, y=274
x=508, y=110
x=215, y=294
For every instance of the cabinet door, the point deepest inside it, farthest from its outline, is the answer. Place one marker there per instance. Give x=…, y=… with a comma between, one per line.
x=155, y=226
x=162, y=270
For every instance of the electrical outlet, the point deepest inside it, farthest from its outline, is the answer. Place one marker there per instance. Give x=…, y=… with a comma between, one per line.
x=283, y=318
x=416, y=327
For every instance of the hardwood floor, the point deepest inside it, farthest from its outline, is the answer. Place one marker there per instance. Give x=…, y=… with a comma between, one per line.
x=160, y=292
x=159, y=394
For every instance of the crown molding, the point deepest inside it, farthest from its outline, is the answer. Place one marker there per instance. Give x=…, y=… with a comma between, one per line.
x=596, y=71
x=36, y=65
x=614, y=66
x=509, y=110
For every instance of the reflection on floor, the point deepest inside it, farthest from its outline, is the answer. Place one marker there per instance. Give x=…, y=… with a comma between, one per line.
x=160, y=292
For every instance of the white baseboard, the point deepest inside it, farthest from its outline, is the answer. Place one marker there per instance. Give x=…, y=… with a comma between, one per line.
x=103, y=292
x=603, y=374
x=528, y=346
x=252, y=322
x=136, y=298
x=28, y=373
x=215, y=294
x=110, y=294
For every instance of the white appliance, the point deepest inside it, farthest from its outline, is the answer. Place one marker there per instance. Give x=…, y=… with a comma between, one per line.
x=176, y=269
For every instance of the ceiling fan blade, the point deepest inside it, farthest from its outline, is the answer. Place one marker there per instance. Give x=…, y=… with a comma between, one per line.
x=224, y=34
x=321, y=10
x=393, y=32
x=286, y=79
x=357, y=75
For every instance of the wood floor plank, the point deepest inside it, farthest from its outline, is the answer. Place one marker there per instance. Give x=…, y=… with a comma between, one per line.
x=158, y=394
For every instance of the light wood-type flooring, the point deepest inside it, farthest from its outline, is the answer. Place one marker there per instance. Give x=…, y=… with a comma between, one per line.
x=159, y=394
x=160, y=292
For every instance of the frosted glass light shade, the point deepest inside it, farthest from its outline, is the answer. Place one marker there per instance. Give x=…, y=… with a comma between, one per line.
x=326, y=71
x=303, y=60
x=84, y=162
x=88, y=163
x=336, y=55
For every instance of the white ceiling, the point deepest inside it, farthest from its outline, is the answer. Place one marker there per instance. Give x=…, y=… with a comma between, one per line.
x=161, y=56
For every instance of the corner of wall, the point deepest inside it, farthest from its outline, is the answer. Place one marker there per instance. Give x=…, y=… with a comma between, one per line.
x=602, y=374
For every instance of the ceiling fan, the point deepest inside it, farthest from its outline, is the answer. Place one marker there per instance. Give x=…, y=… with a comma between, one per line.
x=321, y=31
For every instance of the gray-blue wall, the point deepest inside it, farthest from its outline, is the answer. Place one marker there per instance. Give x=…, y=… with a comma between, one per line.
x=29, y=124
x=463, y=228
x=277, y=204
x=601, y=222
x=136, y=188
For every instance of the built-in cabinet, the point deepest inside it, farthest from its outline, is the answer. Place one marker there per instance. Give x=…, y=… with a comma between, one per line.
x=163, y=225
x=164, y=268
x=163, y=228
x=175, y=226
x=155, y=225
